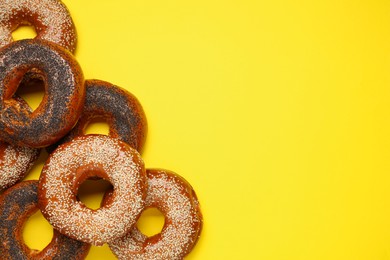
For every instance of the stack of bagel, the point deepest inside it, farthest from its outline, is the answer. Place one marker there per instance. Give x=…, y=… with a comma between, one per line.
x=58, y=125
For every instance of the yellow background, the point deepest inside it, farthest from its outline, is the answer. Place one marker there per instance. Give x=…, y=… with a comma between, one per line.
x=277, y=112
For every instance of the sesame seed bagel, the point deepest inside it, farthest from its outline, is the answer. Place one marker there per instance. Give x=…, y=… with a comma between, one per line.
x=15, y=162
x=177, y=201
x=82, y=158
x=50, y=19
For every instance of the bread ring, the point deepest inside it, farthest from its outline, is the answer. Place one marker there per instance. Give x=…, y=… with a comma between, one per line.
x=92, y=156
x=64, y=93
x=17, y=204
x=118, y=107
x=50, y=18
x=176, y=199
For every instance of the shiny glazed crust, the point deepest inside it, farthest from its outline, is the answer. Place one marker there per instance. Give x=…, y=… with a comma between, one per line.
x=177, y=201
x=64, y=93
x=82, y=158
x=50, y=19
x=17, y=204
x=116, y=106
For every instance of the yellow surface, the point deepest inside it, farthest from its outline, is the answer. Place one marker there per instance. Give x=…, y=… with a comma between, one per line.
x=277, y=112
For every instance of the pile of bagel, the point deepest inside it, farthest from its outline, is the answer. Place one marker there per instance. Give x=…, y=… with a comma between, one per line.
x=58, y=125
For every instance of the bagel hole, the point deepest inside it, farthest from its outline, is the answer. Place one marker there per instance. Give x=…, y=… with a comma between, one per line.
x=24, y=32
x=91, y=192
x=151, y=222
x=37, y=232
x=36, y=169
x=32, y=91
x=97, y=126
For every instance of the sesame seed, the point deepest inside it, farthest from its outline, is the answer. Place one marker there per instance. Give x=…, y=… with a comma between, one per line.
x=50, y=18
x=176, y=199
x=121, y=165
